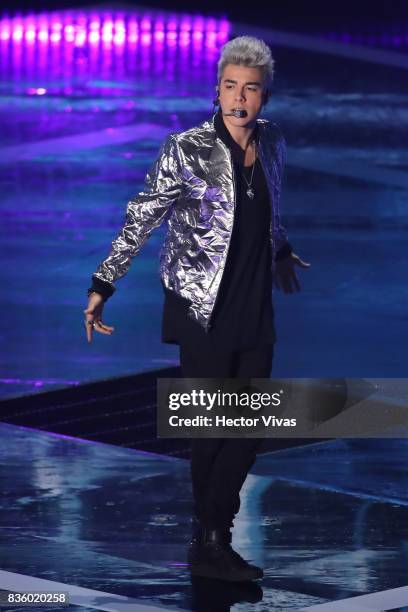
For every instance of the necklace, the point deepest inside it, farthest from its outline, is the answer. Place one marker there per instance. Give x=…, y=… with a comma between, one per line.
x=250, y=192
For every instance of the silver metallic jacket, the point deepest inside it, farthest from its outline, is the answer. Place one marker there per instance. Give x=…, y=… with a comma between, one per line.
x=192, y=185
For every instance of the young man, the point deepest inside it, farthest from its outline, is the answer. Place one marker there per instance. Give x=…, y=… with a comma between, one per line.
x=218, y=185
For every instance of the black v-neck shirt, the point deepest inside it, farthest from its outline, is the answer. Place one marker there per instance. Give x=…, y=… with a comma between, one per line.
x=243, y=314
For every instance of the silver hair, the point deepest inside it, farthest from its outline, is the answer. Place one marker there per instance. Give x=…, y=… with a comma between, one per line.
x=248, y=51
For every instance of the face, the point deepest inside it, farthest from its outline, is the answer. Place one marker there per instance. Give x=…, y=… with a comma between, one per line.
x=241, y=87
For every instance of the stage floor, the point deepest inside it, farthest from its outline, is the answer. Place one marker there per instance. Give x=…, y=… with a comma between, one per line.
x=327, y=522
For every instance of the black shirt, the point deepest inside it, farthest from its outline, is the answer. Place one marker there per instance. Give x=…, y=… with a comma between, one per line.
x=243, y=314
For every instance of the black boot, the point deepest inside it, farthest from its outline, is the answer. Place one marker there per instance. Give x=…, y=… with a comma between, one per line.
x=216, y=558
x=197, y=538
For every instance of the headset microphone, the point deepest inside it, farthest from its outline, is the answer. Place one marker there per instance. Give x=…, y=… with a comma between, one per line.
x=238, y=113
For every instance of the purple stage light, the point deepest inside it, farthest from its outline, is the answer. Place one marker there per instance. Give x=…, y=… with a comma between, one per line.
x=75, y=27
x=119, y=38
x=80, y=37
x=145, y=25
x=68, y=51
x=171, y=25
x=36, y=91
x=94, y=37
x=17, y=31
x=185, y=24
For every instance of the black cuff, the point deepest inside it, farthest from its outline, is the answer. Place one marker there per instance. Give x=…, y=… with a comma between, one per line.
x=284, y=251
x=105, y=289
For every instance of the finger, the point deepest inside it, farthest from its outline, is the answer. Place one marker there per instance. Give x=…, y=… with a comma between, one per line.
x=108, y=327
x=283, y=283
x=89, y=320
x=293, y=284
x=98, y=327
x=287, y=288
x=99, y=321
x=303, y=264
x=89, y=328
x=296, y=282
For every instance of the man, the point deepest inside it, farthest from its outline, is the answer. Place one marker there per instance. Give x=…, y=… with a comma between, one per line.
x=218, y=186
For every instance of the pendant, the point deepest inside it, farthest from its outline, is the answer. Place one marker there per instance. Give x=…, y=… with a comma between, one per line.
x=250, y=193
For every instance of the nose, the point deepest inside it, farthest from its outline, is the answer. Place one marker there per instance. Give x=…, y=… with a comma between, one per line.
x=239, y=95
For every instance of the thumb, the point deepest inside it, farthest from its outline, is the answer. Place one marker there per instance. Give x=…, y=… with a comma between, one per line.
x=301, y=263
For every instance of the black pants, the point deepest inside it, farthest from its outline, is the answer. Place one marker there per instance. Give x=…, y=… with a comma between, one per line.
x=219, y=466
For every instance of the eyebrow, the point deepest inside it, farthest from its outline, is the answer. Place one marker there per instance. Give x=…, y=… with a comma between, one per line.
x=247, y=83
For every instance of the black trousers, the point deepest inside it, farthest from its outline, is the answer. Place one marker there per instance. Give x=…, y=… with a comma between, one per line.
x=220, y=466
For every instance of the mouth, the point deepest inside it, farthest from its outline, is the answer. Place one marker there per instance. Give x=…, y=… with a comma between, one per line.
x=240, y=113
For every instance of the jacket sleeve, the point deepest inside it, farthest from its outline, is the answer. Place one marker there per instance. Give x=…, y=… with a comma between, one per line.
x=144, y=213
x=283, y=247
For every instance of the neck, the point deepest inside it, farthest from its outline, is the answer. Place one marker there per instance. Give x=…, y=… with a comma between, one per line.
x=241, y=134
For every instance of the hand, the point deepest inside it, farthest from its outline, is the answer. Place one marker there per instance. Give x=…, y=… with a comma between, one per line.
x=285, y=276
x=94, y=313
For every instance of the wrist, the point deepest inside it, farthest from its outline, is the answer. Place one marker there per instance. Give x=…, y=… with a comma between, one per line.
x=92, y=291
x=104, y=289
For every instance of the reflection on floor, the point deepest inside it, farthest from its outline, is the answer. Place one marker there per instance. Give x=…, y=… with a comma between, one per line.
x=115, y=522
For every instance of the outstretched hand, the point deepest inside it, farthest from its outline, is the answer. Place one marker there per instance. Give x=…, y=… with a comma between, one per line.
x=285, y=278
x=93, y=317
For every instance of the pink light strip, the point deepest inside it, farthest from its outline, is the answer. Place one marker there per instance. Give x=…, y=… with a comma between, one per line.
x=78, y=28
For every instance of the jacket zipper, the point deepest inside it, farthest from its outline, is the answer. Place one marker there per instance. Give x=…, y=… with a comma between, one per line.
x=208, y=324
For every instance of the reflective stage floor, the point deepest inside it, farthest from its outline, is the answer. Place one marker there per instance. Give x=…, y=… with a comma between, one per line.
x=327, y=523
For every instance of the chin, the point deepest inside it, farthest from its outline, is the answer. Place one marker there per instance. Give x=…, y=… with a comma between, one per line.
x=241, y=120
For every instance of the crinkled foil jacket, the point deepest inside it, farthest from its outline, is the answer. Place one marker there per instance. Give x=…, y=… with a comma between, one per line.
x=192, y=185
